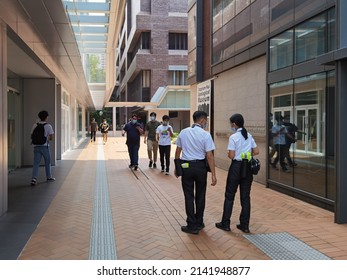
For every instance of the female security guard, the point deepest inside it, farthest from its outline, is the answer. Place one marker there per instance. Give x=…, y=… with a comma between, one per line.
x=240, y=144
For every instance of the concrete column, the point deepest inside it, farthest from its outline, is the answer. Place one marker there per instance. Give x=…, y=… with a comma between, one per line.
x=114, y=120
x=3, y=120
x=57, y=137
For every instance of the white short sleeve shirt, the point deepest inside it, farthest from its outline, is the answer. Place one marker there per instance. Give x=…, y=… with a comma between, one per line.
x=195, y=143
x=240, y=145
x=164, y=135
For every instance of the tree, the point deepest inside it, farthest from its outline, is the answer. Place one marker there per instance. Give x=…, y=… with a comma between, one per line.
x=96, y=73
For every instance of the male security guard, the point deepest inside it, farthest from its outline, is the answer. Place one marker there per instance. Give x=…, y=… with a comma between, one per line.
x=196, y=146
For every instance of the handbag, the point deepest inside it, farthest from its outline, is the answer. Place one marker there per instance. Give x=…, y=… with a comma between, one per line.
x=254, y=165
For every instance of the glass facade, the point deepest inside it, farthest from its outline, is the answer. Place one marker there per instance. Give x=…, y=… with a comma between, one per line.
x=303, y=107
x=306, y=102
x=306, y=41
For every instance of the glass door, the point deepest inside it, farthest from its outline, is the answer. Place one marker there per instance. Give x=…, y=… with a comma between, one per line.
x=308, y=130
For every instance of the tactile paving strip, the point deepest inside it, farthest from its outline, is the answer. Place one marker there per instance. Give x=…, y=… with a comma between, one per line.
x=102, y=240
x=284, y=246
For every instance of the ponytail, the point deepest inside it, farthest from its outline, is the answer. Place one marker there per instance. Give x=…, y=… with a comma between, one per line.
x=238, y=120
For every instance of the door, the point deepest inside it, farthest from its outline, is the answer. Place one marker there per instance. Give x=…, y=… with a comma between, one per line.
x=308, y=135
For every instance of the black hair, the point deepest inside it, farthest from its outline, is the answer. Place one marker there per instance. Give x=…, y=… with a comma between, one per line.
x=133, y=115
x=198, y=115
x=239, y=121
x=153, y=114
x=43, y=115
x=166, y=117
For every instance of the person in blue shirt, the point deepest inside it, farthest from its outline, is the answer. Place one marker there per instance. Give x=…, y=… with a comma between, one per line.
x=134, y=130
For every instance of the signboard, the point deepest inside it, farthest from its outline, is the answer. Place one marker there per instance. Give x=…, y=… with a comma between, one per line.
x=204, y=97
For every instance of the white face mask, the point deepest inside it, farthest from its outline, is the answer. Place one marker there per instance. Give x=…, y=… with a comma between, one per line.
x=165, y=123
x=233, y=129
x=152, y=118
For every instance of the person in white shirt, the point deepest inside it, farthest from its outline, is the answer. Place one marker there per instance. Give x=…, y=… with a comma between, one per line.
x=42, y=150
x=196, y=146
x=240, y=147
x=163, y=135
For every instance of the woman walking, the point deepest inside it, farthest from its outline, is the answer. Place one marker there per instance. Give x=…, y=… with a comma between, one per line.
x=240, y=147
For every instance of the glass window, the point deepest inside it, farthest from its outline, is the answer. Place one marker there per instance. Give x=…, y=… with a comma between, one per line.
x=146, y=40
x=310, y=118
x=146, y=78
x=177, y=78
x=217, y=46
x=228, y=10
x=310, y=39
x=178, y=41
x=281, y=50
x=217, y=6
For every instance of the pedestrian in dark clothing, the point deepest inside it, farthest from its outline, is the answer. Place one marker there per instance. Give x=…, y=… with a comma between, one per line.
x=241, y=147
x=93, y=130
x=134, y=130
x=196, y=146
x=42, y=149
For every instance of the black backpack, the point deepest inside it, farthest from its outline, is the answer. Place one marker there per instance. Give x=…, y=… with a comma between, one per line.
x=38, y=135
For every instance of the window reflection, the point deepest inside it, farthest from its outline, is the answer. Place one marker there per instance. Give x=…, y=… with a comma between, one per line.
x=310, y=39
x=305, y=104
x=281, y=50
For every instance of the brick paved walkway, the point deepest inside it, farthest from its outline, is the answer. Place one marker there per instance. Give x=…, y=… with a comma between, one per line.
x=148, y=210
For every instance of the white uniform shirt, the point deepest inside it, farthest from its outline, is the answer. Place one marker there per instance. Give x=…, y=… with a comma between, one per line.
x=240, y=145
x=164, y=135
x=48, y=131
x=195, y=143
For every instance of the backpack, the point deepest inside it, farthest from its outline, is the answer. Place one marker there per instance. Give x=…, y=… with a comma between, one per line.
x=38, y=135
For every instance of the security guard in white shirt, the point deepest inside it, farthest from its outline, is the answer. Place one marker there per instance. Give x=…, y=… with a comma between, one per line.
x=196, y=146
x=241, y=143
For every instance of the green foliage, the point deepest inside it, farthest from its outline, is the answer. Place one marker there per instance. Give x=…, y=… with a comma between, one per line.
x=96, y=73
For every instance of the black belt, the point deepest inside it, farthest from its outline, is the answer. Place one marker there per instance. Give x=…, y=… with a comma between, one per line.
x=195, y=160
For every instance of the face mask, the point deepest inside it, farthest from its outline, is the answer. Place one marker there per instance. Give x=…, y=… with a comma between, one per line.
x=204, y=126
x=165, y=123
x=134, y=121
x=233, y=129
x=152, y=118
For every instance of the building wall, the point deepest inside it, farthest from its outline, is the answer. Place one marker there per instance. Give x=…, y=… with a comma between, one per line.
x=39, y=94
x=241, y=90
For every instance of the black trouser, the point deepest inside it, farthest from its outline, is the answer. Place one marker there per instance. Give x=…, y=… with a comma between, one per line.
x=92, y=135
x=194, y=180
x=235, y=179
x=165, y=154
x=281, y=155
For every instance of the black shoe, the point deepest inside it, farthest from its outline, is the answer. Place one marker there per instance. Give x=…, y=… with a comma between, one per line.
x=33, y=182
x=136, y=167
x=162, y=169
x=154, y=165
x=244, y=229
x=273, y=165
x=150, y=164
x=131, y=166
x=223, y=227
x=200, y=227
x=187, y=229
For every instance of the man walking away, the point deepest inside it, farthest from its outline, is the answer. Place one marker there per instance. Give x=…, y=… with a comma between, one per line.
x=196, y=146
x=42, y=133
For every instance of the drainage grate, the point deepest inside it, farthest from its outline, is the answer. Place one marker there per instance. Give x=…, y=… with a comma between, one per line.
x=284, y=246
